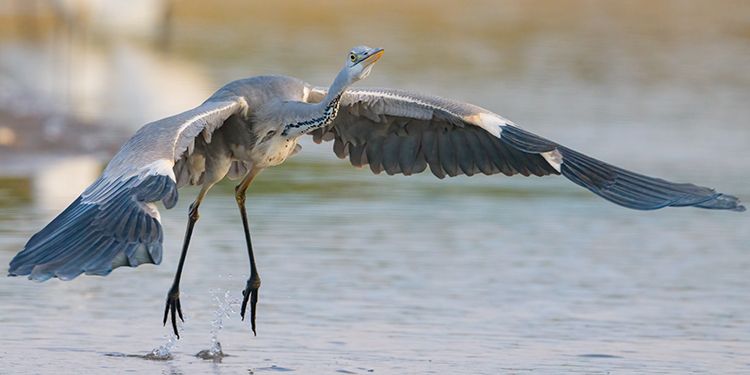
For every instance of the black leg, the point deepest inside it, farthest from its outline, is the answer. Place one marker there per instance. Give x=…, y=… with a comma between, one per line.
x=253, y=283
x=173, y=297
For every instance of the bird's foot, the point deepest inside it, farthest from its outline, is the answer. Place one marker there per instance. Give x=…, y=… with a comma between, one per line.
x=173, y=307
x=251, y=293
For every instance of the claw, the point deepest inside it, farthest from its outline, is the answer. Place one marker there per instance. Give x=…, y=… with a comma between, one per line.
x=166, y=312
x=244, y=304
x=173, y=306
x=251, y=293
x=179, y=311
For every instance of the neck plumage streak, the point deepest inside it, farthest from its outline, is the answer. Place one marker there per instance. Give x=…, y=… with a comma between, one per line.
x=329, y=114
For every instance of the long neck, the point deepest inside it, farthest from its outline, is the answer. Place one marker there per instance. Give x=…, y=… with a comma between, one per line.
x=340, y=83
x=323, y=113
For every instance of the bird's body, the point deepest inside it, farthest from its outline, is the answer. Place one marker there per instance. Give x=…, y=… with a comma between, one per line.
x=211, y=155
x=238, y=142
x=253, y=124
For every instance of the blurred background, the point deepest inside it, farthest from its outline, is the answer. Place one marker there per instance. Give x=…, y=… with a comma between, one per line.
x=665, y=78
x=397, y=274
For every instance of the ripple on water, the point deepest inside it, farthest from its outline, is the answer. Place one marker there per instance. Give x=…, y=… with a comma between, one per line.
x=598, y=355
x=153, y=356
x=161, y=353
x=274, y=368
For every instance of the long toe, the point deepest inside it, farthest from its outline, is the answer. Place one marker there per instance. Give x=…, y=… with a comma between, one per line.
x=173, y=308
x=253, y=304
x=250, y=294
x=179, y=311
x=166, y=312
x=174, y=321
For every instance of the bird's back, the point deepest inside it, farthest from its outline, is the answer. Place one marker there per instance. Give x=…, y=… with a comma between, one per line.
x=260, y=90
x=161, y=140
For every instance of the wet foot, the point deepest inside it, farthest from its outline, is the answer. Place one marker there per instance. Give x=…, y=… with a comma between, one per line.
x=251, y=293
x=173, y=307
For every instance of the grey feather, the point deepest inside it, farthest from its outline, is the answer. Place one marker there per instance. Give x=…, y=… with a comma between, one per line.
x=481, y=151
x=106, y=225
x=356, y=154
x=407, y=154
x=430, y=152
x=391, y=149
x=447, y=153
x=433, y=130
x=621, y=186
x=464, y=154
x=386, y=123
x=374, y=152
x=339, y=148
x=169, y=138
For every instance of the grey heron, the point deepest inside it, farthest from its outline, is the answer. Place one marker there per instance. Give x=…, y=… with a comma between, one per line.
x=255, y=123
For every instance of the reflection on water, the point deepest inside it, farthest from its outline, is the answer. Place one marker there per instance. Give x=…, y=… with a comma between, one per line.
x=385, y=274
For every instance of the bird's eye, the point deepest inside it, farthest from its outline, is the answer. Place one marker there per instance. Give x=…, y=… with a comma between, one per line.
x=352, y=57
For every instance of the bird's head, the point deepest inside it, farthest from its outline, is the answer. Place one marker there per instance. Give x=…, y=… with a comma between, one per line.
x=359, y=62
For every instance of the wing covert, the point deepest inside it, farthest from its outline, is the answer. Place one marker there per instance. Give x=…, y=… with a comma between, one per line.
x=166, y=140
x=402, y=132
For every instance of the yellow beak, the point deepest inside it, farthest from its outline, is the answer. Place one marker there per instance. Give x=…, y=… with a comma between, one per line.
x=374, y=56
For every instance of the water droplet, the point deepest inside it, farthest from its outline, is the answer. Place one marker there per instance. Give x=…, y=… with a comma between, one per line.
x=225, y=307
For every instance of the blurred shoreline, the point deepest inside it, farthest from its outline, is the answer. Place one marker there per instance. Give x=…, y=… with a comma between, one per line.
x=654, y=86
x=51, y=158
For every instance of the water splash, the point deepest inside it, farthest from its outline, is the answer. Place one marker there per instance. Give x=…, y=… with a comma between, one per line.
x=225, y=307
x=164, y=351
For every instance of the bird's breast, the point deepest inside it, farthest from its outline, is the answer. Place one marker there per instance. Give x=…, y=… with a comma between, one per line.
x=275, y=152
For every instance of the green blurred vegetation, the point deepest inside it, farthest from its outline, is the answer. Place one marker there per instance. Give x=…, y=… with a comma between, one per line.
x=15, y=191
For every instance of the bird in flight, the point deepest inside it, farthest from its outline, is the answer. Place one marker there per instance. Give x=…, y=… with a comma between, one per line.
x=255, y=123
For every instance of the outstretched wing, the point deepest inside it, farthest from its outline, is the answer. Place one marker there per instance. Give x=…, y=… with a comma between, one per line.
x=115, y=221
x=403, y=132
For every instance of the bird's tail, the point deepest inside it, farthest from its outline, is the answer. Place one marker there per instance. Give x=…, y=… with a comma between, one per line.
x=111, y=224
x=618, y=185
